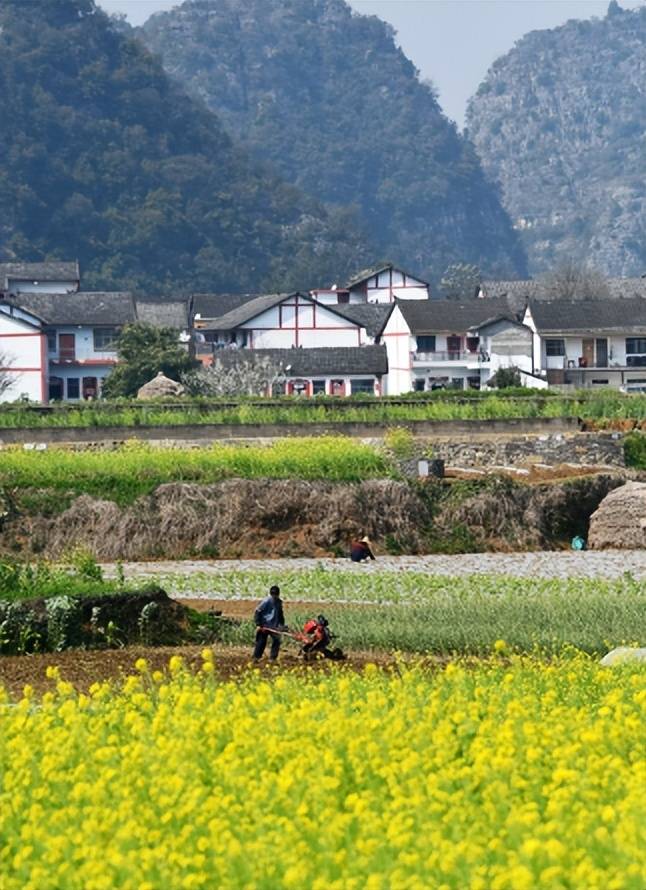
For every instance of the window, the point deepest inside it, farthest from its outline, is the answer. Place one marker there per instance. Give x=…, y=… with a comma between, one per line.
x=51, y=341
x=426, y=343
x=600, y=382
x=337, y=387
x=555, y=347
x=419, y=384
x=473, y=382
x=318, y=387
x=105, y=339
x=457, y=383
x=344, y=297
x=73, y=389
x=55, y=389
x=636, y=352
x=366, y=385
x=472, y=344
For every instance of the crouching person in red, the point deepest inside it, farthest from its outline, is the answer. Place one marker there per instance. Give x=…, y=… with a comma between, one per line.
x=317, y=632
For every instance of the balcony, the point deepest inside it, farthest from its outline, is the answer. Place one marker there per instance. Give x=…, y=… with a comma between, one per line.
x=451, y=356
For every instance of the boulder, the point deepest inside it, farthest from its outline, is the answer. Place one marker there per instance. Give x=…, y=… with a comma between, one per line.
x=159, y=387
x=619, y=522
x=622, y=654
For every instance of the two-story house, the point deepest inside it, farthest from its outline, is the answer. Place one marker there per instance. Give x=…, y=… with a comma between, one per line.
x=77, y=333
x=450, y=343
x=320, y=348
x=381, y=284
x=590, y=343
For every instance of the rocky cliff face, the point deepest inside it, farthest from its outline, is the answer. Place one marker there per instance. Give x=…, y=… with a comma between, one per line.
x=326, y=97
x=559, y=123
x=105, y=158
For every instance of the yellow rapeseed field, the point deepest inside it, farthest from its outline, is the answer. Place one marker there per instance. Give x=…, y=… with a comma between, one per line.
x=516, y=773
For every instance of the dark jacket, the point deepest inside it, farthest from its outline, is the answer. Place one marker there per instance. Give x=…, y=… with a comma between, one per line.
x=360, y=550
x=270, y=613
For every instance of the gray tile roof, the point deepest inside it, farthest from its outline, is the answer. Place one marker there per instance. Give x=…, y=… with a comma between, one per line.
x=527, y=288
x=246, y=311
x=588, y=316
x=44, y=271
x=311, y=362
x=89, y=308
x=215, y=305
x=371, y=316
x=627, y=287
x=163, y=313
x=451, y=316
x=530, y=289
x=368, y=273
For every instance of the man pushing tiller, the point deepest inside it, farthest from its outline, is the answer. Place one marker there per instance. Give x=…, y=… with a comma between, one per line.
x=315, y=637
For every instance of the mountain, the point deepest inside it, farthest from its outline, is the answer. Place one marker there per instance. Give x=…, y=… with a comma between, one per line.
x=105, y=158
x=559, y=123
x=326, y=97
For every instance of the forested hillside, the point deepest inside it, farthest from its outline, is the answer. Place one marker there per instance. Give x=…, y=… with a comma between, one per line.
x=106, y=159
x=325, y=95
x=559, y=122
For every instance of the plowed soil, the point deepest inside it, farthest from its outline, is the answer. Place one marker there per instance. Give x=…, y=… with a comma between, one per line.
x=82, y=668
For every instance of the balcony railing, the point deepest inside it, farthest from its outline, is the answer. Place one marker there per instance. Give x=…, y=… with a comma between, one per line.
x=450, y=356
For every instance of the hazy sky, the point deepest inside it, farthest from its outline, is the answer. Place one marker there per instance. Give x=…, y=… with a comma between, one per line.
x=452, y=42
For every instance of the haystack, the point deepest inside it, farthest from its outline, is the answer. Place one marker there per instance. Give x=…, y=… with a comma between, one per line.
x=159, y=387
x=619, y=523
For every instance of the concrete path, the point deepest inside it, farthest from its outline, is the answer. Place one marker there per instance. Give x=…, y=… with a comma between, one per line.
x=559, y=564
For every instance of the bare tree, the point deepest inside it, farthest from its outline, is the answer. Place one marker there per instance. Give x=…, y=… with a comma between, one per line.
x=6, y=377
x=237, y=376
x=572, y=280
x=460, y=281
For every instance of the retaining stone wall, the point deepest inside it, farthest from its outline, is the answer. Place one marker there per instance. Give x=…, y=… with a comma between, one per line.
x=583, y=449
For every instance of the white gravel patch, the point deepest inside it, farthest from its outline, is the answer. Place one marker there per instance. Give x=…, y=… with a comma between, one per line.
x=607, y=564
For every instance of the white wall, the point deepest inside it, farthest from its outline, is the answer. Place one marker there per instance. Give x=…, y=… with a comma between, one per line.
x=399, y=345
x=20, y=286
x=24, y=348
x=84, y=344
x=307, y=324
x=388, y=284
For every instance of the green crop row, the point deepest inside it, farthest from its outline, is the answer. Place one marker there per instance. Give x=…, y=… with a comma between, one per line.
x=416, y=612
x=135, y=469
x=442, y=406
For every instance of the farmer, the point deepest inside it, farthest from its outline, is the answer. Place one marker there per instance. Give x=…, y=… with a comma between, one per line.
x=360, y=550
x=269, y=616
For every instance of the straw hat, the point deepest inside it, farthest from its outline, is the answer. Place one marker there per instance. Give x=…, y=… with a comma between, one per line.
x=365, y=539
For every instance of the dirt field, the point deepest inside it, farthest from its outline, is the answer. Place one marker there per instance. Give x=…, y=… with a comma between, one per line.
x=83, y=668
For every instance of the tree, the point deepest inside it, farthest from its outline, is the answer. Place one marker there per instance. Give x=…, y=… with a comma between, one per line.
x=572, y=280
x=6, y=378
x=246, y=376
x=460, y=281
x=505, y=378
x=143, y=351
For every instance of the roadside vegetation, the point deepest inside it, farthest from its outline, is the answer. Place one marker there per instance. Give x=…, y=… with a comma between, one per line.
x=441, y=405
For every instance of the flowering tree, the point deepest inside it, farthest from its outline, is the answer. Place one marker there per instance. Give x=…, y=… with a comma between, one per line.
x=242, y=376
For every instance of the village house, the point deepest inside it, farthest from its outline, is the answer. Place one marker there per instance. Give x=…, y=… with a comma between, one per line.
x=379, y=334
x=333, y=371
x=59, y=343
x=45, y=277
x=590, y=343
x=456, y=344
x=383, y=284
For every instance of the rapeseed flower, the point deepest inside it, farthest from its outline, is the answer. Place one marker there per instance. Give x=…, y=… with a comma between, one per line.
x=511, y=774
